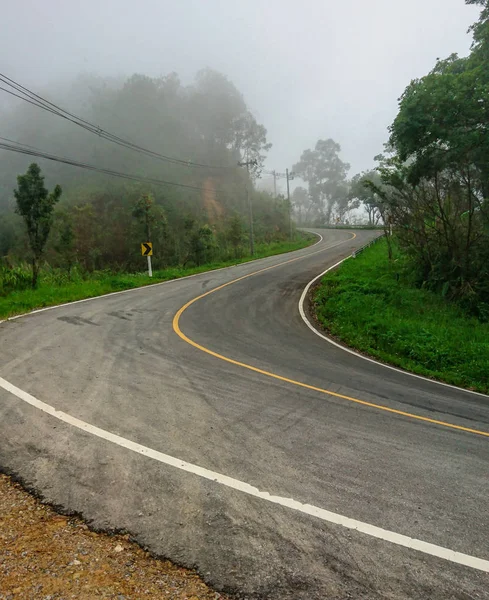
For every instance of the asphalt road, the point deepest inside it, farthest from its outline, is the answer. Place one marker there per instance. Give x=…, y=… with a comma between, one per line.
x=117, y=364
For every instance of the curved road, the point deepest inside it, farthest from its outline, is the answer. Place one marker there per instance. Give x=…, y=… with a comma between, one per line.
x=179, y=418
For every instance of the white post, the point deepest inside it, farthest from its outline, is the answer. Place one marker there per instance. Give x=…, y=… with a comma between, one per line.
x=150, y=270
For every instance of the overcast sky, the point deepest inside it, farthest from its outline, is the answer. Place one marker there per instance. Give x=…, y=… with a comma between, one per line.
x=308, y=69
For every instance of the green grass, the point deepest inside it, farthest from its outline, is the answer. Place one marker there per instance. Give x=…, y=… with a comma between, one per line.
x=368, y=227
x=50, y=293
x=372, y=306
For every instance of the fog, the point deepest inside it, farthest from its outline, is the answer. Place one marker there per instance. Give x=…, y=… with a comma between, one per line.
x=308, y=70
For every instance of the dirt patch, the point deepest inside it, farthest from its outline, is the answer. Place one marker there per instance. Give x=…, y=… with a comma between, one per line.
x=48, y=556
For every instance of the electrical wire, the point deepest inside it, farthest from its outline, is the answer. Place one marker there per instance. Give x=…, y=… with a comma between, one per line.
x=67, y=161
x=19, y=143
x=36, y=100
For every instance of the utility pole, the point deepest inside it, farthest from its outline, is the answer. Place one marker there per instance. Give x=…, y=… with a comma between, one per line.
x=289, y=176
x=247, y=164
x=274, y=173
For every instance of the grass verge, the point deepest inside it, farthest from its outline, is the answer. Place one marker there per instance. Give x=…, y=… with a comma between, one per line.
x=371, y=305
x=99, y=283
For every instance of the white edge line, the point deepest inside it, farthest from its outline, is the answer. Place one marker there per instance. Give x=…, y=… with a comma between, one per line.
x=357, y=354
x=150, y=285
x=235, y=484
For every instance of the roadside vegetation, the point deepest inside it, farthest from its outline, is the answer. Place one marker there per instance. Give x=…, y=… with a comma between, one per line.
x=420, y=298
x=374, y=305
x=431, y=185
x=67, y=234
x=56, y=286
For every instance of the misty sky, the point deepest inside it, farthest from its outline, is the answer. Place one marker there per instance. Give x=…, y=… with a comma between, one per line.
x=308, y=69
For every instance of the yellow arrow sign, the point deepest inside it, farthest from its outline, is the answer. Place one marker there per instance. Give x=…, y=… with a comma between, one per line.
x=147, y=249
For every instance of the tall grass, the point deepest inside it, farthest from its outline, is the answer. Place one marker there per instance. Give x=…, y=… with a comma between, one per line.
x=373, y=306
x=57, y=286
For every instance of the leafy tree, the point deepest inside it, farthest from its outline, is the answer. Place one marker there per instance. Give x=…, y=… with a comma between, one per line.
x=235, y=233
x=35, y=204
x=438, y=176
x=200, y=243
x=250, y=142
x=367, y=194
x=144, y=211
x=345, y=203
x=301, y=204
x=64, y=244
x=325, y=174
x=480, y=30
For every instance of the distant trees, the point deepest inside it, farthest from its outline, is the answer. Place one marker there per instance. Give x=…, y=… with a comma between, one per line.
x=35, y=205
x=301, y=204
x=325, y=173
x=363, y=192
x=102, y=221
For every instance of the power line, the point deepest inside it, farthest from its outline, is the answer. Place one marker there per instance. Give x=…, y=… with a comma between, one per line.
x=19, y=143
x=67, y=161
x=41, y=102
x=25, y=99
x=36, y=100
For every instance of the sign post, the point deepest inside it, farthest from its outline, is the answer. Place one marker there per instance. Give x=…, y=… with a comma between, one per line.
x=147, y=250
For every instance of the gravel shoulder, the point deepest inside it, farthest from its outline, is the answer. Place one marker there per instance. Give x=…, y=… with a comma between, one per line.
x=48, y=556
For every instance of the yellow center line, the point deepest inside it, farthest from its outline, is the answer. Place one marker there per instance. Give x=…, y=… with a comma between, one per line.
x=185, y=338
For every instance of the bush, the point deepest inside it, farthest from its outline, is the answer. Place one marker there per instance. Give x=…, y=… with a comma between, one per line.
x=14, y=278
x=373, y=305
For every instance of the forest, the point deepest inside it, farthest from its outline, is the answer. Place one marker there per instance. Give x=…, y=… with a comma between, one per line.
x=419, y=298
x=158, y=131
x=181, y=164
x=431, y=185
x=150, y=159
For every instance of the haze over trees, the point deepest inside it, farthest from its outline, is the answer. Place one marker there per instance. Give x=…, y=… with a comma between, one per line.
x=431, y=185
x=325, y=174
x=200, y=133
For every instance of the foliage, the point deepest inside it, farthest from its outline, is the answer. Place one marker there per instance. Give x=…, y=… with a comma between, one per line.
x=435, y=179
x=301, y=205
x=371, y=304
x=235, y=233
x=325, y=173
x=101, y=221
x=35, y=204
x=57, y=286
x=362, y=191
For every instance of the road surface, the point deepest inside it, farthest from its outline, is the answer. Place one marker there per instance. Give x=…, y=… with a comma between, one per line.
x=227, y=436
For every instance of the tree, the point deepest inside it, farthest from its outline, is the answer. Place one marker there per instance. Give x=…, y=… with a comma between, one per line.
x=250, y=142
x=344, y=203
x=64, y=243
x=366, y=194
x=154, y=220
x=301, y=204
x=35, y=204
x=200, y=243
x=438, y=175
x=235, y=233
x=144, y=211
x=325, y=174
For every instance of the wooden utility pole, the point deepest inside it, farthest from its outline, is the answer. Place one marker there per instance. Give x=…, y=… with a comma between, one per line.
x=247, y=164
